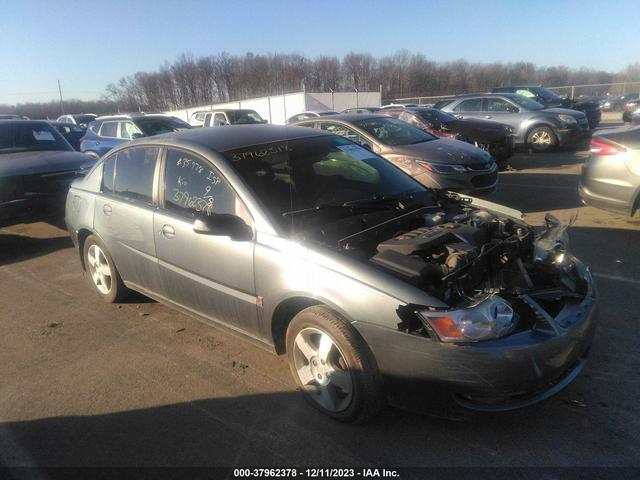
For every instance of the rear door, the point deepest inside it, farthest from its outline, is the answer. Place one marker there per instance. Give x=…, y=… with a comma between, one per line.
x=207, y=274
x=469, y=108
x=124, y=212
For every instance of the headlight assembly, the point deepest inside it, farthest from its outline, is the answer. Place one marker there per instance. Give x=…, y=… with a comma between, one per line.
x=567, y=119
x=491, y=318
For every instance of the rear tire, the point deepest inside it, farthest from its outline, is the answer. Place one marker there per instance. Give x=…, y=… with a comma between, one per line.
x=333, y=366
x=542, y=139
x=102, y=272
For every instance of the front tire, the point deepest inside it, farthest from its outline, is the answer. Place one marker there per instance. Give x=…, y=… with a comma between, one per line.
x=333, y=366
x=542, y=139
x=102, y=271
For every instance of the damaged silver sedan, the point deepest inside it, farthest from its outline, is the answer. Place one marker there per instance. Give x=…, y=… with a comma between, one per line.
x=311, y=246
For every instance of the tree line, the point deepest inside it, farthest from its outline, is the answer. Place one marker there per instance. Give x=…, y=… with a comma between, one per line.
x=189, y=81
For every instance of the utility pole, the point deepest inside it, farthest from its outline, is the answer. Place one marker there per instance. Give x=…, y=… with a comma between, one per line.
x=61, y=103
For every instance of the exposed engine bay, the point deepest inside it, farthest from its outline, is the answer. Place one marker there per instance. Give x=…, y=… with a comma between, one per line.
x=463, y=256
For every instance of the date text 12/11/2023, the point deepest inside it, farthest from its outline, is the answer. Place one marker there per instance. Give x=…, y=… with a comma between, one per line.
x=315, y=473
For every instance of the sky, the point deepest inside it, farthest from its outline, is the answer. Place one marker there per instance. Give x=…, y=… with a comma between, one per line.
x=88, y=44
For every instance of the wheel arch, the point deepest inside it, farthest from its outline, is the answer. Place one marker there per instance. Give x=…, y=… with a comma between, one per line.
x=282, y=316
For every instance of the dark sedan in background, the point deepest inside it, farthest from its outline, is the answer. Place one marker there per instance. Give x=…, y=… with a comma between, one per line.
x=611, y=176
x=37, y=165
x=496, y=138
x=441, y=163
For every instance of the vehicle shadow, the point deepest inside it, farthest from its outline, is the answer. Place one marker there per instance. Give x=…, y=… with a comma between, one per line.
x=18, y=248
x=537, y=192
x=526, y=160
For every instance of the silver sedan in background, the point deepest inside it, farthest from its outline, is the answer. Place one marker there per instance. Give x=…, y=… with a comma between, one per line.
x=611, y=176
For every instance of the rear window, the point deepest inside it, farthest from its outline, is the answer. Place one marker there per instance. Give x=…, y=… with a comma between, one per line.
x=158, y=125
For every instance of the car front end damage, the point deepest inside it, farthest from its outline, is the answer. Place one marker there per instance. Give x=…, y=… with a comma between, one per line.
x=512, y=317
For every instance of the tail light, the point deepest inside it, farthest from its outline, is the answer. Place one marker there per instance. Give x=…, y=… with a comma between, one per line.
x=600, y=146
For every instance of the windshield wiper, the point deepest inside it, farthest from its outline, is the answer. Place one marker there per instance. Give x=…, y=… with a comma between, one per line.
x=367, y=204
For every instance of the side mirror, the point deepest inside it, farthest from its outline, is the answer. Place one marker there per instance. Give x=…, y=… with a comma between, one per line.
x=136, y=135
x=224, y=225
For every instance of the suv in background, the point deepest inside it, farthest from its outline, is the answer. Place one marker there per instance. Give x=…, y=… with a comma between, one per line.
x=533, y=125
x=218, y=118
x=81, y=119
x=551, y=99
x=105, y=133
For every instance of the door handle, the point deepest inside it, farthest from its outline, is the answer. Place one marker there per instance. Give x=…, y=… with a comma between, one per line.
x=167, y=231
x=488, y=116
x=106, y=209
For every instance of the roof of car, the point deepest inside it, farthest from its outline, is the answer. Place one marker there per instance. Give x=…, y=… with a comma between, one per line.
x=486, y=94
x=131, y=117
x=23, y=122
x=345, y=117
x=230, y=137
x=518, y=86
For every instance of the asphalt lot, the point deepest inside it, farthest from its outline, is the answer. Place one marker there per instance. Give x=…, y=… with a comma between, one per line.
x=84, y=383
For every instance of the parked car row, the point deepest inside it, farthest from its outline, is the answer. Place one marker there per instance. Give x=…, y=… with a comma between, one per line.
x=313, y=245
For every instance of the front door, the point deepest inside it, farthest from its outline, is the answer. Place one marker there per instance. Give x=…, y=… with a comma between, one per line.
x=210, y=275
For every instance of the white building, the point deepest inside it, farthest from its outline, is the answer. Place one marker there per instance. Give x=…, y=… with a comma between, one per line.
x=277, y=108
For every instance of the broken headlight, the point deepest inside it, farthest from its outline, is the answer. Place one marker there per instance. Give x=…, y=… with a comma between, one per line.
x=550, y=248
x=491, y=318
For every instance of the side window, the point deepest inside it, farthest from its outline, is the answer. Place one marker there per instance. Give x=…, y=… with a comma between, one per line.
x=195, y=187
x=108, y=169
x=343, y=131
x=499, y=105
x=127, y=129
x=470, y=105
x=135, y=168
x=219, y=119
x=109, y=129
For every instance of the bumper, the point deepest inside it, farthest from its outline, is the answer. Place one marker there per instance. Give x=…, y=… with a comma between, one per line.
x=502, y=374
x=30, y=206
x=572, y=136
x=604, y=202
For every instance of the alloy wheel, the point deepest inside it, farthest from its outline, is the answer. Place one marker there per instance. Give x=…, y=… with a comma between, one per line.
x=541, y=137
x=99, y=269
x=322, y=369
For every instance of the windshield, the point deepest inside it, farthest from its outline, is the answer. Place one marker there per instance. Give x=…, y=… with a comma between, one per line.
x=546, y=94
x=311, y=172
x=244, y=117
x=30, y=137
x=393, y=132
x=526, y=102
x=435, y=116
x=155, y=126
